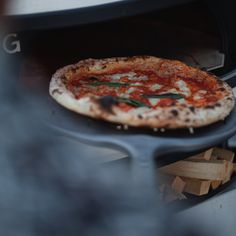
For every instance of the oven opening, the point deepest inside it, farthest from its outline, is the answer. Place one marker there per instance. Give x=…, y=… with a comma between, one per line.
x=188, y=33
x=61, y=185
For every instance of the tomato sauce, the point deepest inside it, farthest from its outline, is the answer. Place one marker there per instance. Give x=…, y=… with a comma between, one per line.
x=81, y=86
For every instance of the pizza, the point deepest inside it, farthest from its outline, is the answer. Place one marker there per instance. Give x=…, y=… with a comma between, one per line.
x=143, y=91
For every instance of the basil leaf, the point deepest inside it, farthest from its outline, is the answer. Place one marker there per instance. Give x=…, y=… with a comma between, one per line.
x=164, y=95
x=131, y=102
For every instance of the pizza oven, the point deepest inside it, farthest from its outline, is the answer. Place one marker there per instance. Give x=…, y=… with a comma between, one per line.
x=43, y=37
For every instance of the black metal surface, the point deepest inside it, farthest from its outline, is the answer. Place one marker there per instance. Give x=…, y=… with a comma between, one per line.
x=88, y=15
x=142, y=143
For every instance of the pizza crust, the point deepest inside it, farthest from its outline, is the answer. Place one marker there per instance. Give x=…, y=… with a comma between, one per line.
x=181, y=116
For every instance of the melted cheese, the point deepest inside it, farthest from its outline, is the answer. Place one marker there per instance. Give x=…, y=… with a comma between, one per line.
x=199, y=95
x=155, y=87
x=173, y=90
x=130, y=76
x=183, y=87
x=131, y=90
x=154, y=101
x=124, y=95
x=182, y=101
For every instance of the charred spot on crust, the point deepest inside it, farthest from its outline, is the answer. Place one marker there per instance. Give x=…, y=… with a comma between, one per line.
x=173, y=104
x=220, y=82
x=174, y=112
x=106, y=103
x=56, y=91
x=140, y=116
x=218, y=105
x=192, y=109
x=73, y=70
x=93, y=78
x=221, y=89
x=230, y=99
x=187, y=120
x=64, y=79
x=209, y=107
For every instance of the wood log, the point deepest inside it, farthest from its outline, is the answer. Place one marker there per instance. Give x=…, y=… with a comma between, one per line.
x=178, y=184
x=196, y=186
x=202, y=156
x=215, y=184
x=234, y=167
x=170, y=195
x=223, y=154
x=198, y=169
x=175, y=182
x=229, y=171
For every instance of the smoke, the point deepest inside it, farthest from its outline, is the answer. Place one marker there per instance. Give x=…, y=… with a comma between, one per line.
x=49, y=186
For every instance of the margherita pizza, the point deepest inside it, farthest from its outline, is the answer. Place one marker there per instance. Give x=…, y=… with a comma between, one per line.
x=142, y=91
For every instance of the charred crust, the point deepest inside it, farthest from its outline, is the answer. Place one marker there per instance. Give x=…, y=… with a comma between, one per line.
x=56, y=91
x=174, y=112
x=218, y=105
x=93, y=78
x=106, y=103
x=187, y=120
x=220, y=82
x=210, y=107
x=230, y=99
x=192, y=109
x=73, y=69
x=221, y=89
x=63, y=78
x=140, y=116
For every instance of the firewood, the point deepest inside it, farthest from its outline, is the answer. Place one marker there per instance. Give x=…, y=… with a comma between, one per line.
x=234, y=168
x=196, y=186
x=215, y=184
x=223, y=154
x=208, y=154
x=170, y=195
x=178, y=184
x=229, y=171
x=198, y=169
x=175, y=182
x=202, y=156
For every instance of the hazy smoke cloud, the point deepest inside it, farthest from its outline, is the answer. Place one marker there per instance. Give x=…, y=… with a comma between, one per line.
x=48, y=186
